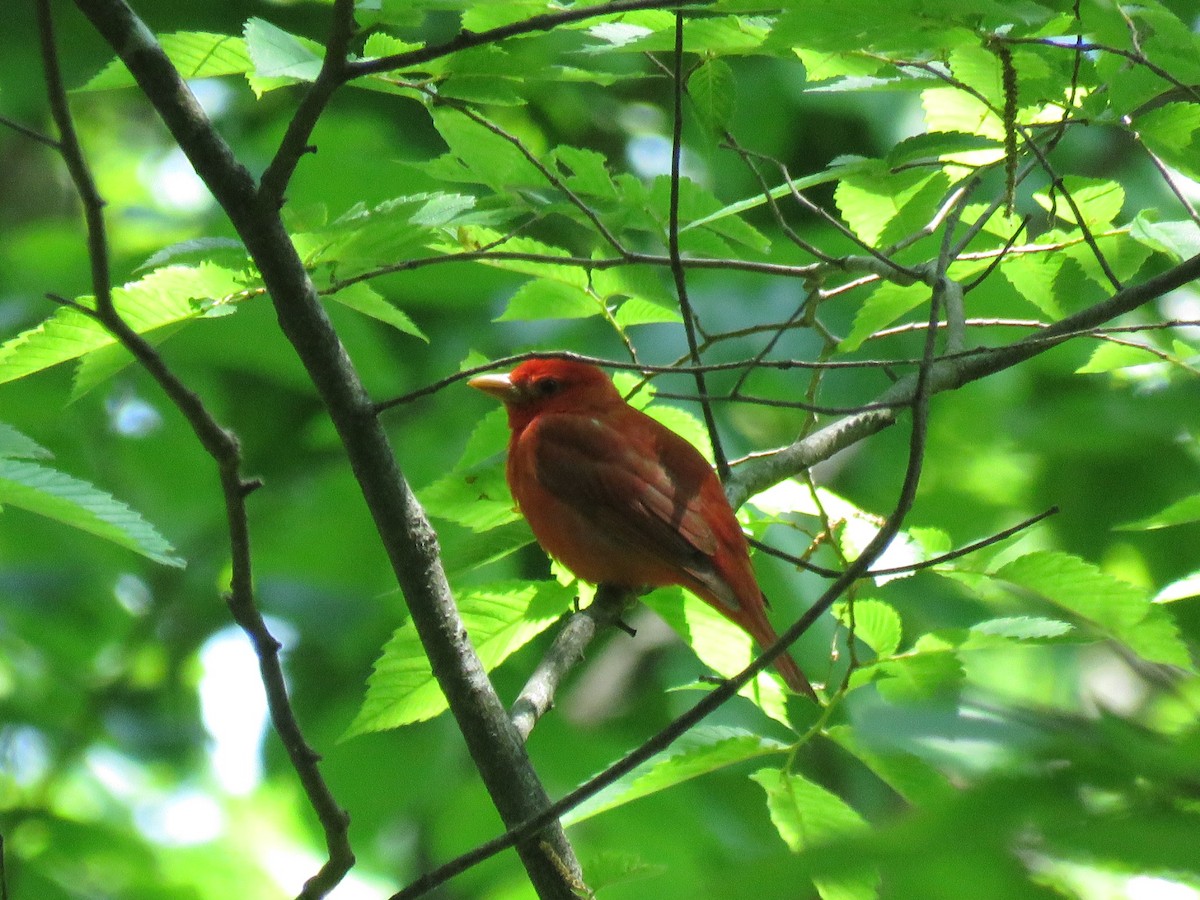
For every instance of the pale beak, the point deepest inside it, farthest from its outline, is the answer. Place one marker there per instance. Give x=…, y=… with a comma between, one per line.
x=499, y=386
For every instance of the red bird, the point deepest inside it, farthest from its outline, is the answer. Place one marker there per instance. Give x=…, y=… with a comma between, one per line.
x=620, y=499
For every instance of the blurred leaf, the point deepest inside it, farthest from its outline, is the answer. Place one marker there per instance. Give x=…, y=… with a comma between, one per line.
x=500, y=620
x=702, y=750
x=806, y=815
x=1114, y=357
x=78, y=504
x=1114, y=607
x=1181, y=512
x=885, y=305
x=14, y=445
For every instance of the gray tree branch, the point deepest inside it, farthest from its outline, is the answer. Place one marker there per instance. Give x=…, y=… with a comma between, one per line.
x=407, y=536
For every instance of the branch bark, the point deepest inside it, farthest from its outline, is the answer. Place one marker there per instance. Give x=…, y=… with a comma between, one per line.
x=408, y=538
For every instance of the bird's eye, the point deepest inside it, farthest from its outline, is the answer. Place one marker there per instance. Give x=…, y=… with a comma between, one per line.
x=548, y=386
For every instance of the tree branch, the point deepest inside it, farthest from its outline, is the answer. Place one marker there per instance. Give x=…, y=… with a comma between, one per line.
x=406, y=534
x=225, y=451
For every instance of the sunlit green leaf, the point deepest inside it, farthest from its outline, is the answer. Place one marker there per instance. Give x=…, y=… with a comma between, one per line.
x=1180, y=512
x=807, y=815
x=500, y=619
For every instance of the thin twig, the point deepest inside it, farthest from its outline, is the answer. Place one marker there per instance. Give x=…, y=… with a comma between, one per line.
x=677, y=270
x=223, y=447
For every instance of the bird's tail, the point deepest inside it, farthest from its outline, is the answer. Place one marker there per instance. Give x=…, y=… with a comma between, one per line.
x=764, y=635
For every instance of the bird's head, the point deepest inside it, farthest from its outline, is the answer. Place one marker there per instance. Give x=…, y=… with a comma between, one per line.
x=539, y=386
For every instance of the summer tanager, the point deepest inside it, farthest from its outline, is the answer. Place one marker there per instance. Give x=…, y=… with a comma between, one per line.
x=620, y=499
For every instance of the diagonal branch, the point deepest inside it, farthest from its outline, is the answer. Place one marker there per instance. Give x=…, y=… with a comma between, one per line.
x=404, y=530
x=222, y=445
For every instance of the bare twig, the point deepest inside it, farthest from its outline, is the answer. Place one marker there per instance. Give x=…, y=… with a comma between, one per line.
x=568, y=648
x=223, y=447
x=404, y=531
x=677, y=270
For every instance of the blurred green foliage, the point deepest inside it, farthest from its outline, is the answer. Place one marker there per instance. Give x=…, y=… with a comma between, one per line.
x=1022, y=720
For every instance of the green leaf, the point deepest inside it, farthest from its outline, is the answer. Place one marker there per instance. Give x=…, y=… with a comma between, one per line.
x=721, y=645
x=362, y=298
x=15, y=445
x=807, y=815
x=500, y=619
x=1098, y=201
x=885, y=305
x=699, y=209
x=1183, y=589
x=163, y=297
x=65, y=499
x=1113, y=607
x=196, y=54
x=1110, y=357
x=588, y=172
x=711, y=88
x=702, y=750
x=483, y=156
x=639, y=311
x=477, y=498
x=279, y=57
x=879, y=202
x=833, y=173
x=1178, y=240
x=542, y=299
x=1033, y=276
x=908, y=775
x=876, y=623
x=1023, y=628
x=1181, y=512
x=1172, y=131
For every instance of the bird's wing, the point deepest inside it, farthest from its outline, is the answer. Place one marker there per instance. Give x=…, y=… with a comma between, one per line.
x=630, y=479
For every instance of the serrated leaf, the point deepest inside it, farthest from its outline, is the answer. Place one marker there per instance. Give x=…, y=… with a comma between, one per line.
x=870, y=200
x=363, y=298
x=807, y=815
x=1181, y=512
x=500, y=619
x=542, y=299
x=711, y=88
x=588, y=170
x=163, y=297
x=477, y=498
x=876, y=623
x=199, y=249
x=1098, y=201
x=1114, y=607
x=196, y=54
x=700, y=211
x=702, y=750
x=1033, y=276
x=639, y=311
x=70, y=501
x=15, y=445
x=885, y=305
